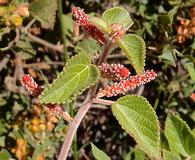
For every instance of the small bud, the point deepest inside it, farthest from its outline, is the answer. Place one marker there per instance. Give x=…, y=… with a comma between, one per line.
x=117, y=31
x=30, y=85
x=116, y=72
x=59, y=112
x=127, y=85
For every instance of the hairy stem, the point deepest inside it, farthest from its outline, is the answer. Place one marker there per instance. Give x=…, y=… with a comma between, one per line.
x=63, y=28
x=72, y=130
x=82, y=110
x=75, y=151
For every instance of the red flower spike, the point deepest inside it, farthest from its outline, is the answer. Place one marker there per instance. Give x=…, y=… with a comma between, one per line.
x=116, y=72
x=128, y=84
x=80, y=16
x=91, y=29
x=59, y=112
x=30, y=85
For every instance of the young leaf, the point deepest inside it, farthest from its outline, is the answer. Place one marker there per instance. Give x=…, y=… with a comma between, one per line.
x=76, y=77
x=170, y=156
x=5, y=155
x=99, y=154
x=44, y=11
x=101, y=23
x=135, y=50
x=180, y=137
x=117, y=15
x=137, y=117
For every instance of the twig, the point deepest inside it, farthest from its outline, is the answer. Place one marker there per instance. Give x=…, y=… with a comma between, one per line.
x=45, y=43
x=4, y=61
x=72, y=130
x=39, y=64
x=63, y=29
x=140, y=90
x=102, y=101
x=12, y=42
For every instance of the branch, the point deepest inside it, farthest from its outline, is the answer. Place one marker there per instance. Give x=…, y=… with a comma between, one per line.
x=103, y=101
x=62, y=28
x=72, y=130
x=82, y=111
x=45, y=43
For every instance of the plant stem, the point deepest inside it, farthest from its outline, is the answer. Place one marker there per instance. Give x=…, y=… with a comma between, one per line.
x=82, y=111
x=72, y=130
x=63, y=28
x=105, y=52
x=75, y=150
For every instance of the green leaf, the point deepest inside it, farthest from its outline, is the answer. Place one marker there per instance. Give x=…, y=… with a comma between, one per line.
x=168, y=55
x=135, y=50
x=89, y=45
x=5, y=155
x=137, y=117
x=191, y=70
x=45, y=12
x=139, y=154
x=117, y=15
x=170, y=156
x=180, y=138
x=101, y=23
x=99, y=154
x=75, y=78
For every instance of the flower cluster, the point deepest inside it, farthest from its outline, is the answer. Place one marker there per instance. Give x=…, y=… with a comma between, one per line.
x=116, y=72
x=187, y=27
x=30, y=85
x=117, y=31
x=34, y=89
x=91, y=29
x=126, y=85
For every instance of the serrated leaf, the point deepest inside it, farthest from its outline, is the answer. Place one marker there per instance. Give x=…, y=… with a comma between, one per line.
x=99, y=154
x=180, y=138
x=76, y=77
x=101, y=23
x=137, y=117
x=118, y=15
x=45, y=12
x=135, y=50
x=170, y=156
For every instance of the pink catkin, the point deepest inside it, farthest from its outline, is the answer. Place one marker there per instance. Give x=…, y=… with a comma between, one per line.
x=91, y=29
x=126, y=85
x=116, y=72
x=58, y=111
x=30, y=85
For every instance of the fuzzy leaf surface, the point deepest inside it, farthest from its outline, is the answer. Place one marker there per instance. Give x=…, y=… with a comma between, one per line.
x=76, y=77
x=134, y=48
x=101, y=23
x=137, y=118
x=99, y=154
x=180, y=137
x=118, y=15
x=170, y=156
